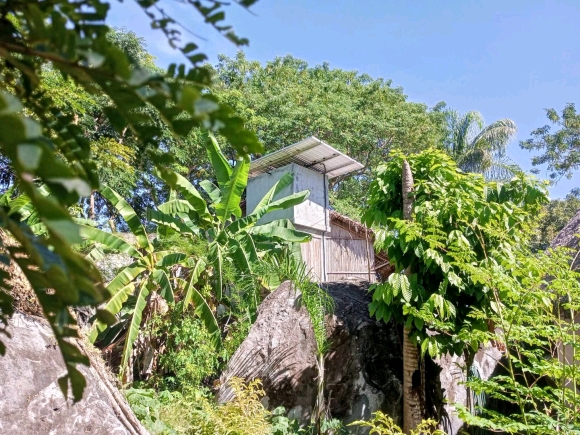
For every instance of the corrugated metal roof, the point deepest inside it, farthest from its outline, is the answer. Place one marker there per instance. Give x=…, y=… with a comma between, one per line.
x=311, y=153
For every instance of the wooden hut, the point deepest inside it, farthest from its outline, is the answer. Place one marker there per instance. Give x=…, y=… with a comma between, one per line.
x=341, y=248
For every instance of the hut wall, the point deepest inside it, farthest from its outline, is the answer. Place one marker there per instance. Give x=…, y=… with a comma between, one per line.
x=348, y=255
x=312, y=256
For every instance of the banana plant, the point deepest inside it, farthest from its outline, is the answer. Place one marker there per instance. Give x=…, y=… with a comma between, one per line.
x=234, y=239
x=148, y=273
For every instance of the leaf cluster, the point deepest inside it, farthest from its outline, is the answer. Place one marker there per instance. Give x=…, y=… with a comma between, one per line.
x=42, y=144
x=561, y=148
x=462, y=227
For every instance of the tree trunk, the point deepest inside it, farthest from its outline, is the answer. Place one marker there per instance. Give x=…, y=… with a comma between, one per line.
x=92, y=206
x=412, y=403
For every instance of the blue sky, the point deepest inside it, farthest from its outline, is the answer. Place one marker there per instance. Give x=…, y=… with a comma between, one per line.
x=506, y=59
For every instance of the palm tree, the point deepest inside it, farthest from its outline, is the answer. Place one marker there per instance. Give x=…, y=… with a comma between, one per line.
x=480, y=148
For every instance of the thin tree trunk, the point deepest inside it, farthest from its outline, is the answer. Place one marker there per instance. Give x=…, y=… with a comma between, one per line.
x=412, y=403
x=92, y=206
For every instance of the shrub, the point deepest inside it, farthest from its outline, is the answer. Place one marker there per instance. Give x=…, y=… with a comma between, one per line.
x=382, y=424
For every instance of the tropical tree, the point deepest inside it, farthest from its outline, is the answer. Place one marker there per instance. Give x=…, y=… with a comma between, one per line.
x=41, y=144
x=561, y=149
x=286, y=100
x=462, y=229
x=229, y=240
x=479, y=148
x=147, y=274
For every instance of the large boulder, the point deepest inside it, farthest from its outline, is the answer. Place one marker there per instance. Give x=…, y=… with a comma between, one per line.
x=31, y=401
x=363, y=366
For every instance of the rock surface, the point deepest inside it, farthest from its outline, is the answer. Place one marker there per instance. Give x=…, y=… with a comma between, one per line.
x=31, y=401
x=363, y=365
x=569, y=237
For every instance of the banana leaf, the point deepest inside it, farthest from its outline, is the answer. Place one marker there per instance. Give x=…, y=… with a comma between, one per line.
x=109, y=240
x=129, y=215
x=190, y=193
x=134, y=326
x=222, y=168
x=232, y=192
x=113, y=306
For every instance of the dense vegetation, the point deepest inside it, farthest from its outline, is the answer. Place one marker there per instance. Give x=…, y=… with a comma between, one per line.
x=103, y=153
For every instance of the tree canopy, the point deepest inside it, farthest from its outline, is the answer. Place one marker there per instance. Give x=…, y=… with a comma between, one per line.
x=286, y=100
x=561, y=148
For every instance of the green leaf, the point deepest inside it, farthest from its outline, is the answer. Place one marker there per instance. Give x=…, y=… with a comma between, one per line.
x=219, y=163
x=113, y=306
x=211, y=189
x=190, y=193
x=129, y=215
x=278, y=229
x=232, y=192
x=109, y=240
x=160, y=277
x=216, y=258
x=175, y=206
x=125, y=276
x=405, y=288
x=169, y=259
x=134, y=326
x=202, y=309
x=284, y=181
x=419, y=323
x=169, y=221
x=195, y=272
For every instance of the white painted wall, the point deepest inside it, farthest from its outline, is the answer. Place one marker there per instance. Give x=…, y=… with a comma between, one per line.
x=312, y=215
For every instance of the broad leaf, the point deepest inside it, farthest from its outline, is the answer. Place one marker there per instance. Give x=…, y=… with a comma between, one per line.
x=169, y=221
x=223, y=170
x=280, y=185
x=125, y=276
x=129, y=215
x=190, y=193
x=195, y=272
x=109, y=240
x=212, y=190
x=113, y=306
x=232, y=192
x=160, y=277
x=203, y=311
x=278, y=229
x=134, y=326
x=216, y=258
x=175, y=206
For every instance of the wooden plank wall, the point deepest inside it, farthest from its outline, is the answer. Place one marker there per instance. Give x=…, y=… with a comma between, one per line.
x=312, y=256
x=347, y=255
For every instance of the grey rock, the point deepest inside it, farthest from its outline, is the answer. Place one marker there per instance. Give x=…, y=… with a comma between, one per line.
x=363, y=366
x=31, y=401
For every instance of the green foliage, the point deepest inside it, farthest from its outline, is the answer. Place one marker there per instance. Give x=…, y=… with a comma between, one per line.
x=233, y=242
x=41, y=143
x=190, y=356
x=382, y=424
x=198, y=415
x=479, y=148
x=536, y=299
x=553, y=217
x=148, y=273
x=286, y=100
x=462, y=227
x=147, y=406
x=221, y=251
x=561, y=149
